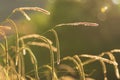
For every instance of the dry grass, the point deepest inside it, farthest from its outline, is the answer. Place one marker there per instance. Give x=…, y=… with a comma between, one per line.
x=13, y=68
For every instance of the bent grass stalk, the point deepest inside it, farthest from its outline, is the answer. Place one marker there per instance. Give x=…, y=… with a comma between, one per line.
x=5, y=38
x=50, y=68
x=47, y=46
x=82, y=73
x=93, y=59
x=9, y=57
x=42, y=44
x=17, y=45
x=17, y=36
x=57, y=45
x=77, y=64
x=25, y=14
x=36, y=36
x=33, y=9
x=21, y=9
x=98, y=58
x=112, y=58
x=6, y=47
x=104, y=69
x=78, y=24
x=48, y=42
x=102, y=60
x=16, y=32
x=19, y=58
x=102, y=63
x=33, y=60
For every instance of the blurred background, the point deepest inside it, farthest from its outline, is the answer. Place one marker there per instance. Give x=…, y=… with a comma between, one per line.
x=73, y=40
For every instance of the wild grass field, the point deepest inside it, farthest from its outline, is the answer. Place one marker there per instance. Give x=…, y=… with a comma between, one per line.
x=21, y=48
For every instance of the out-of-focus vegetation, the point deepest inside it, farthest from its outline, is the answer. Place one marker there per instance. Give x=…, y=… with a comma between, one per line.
x=73, y=40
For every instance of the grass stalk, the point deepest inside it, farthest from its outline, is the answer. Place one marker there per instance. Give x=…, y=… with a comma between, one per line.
x=77, y=64
x=42, y=44
x=6, y=47
x=112, y=58
x=21, y=9
x=50, y=68
x=57, y=45
x=48, y=42
x=98, y=58
x=82, y=73
x=33, y=58
x=78, y=24
x=104, y=69
x=16, y=32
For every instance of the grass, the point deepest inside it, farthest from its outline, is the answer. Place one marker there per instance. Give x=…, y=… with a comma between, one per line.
x=13, y=68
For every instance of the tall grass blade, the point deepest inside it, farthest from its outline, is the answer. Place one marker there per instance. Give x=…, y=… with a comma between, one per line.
x=16, y=32
x=57, y=45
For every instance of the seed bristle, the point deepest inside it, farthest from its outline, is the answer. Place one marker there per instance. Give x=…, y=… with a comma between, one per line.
x=78, y=24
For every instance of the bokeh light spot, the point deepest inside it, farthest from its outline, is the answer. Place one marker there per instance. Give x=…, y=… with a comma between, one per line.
x=104, y=9
x=116, y=1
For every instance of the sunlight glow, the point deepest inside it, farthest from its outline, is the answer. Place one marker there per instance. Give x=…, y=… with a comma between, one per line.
x=104, y=9
x=116, y=1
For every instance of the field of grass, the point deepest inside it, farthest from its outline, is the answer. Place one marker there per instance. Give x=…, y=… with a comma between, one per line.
x=13, y=55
